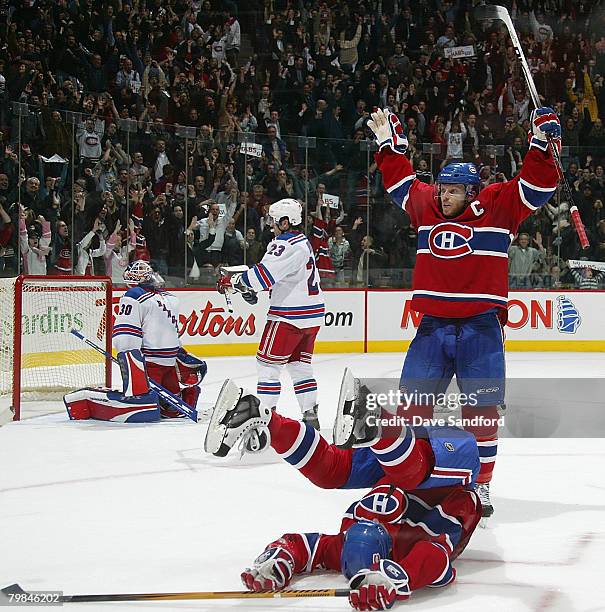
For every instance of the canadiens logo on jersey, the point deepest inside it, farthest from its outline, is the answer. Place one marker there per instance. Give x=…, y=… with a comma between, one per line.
x=384, y=503
x=450, y=240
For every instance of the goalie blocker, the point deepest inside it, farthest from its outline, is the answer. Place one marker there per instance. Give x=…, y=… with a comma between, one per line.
x=136, y=403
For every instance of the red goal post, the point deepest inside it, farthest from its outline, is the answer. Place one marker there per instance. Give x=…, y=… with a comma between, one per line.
x=46, y=360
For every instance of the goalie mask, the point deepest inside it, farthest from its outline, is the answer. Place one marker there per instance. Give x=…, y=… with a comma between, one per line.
x=287, y=208
x=141, y=273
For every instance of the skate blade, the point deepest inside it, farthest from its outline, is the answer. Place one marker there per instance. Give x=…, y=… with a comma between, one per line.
x=217, y=428
x=345, y=418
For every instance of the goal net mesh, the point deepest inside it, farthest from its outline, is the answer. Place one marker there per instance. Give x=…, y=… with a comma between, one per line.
x=51, y=360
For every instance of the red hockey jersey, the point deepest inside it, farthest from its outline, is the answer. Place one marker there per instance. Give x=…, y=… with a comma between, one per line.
x=462, y=263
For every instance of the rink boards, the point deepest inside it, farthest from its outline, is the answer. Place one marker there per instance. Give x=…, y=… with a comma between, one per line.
x=359, y=320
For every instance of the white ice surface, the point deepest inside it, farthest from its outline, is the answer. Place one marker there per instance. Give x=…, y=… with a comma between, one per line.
x=89, y=507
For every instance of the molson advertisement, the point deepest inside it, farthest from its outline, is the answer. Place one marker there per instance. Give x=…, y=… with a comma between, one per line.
x=537, y=321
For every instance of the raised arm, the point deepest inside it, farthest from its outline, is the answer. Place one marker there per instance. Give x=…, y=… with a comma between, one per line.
x=397, y=172
x=280, y=260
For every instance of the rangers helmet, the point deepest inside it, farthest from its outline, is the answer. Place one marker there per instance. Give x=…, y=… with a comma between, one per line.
x=288, y=208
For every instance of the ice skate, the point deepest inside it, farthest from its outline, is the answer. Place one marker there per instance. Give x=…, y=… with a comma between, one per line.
x=482, y=491
x=351, y=427
x=234, y=417
x=310, y=417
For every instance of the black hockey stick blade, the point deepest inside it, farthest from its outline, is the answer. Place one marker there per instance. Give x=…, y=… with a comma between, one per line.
x=11, y=589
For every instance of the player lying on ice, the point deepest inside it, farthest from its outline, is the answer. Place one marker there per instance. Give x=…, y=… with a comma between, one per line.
x=401, y=536
x=461, y=272
x=145, y=334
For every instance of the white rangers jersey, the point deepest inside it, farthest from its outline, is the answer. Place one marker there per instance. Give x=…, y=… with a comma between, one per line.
x=288, y=271
x=147, y=319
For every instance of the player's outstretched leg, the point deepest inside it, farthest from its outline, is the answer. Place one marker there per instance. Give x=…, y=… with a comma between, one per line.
x=234, y=416
x=355, y=420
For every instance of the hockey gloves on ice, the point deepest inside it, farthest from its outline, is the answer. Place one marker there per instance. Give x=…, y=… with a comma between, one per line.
x=378, y=588
x=544, y=125
x=271, y=571
x=388, y=131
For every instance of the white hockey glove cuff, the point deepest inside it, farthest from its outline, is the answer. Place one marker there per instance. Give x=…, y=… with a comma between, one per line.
x=388, y=131
x=271, y=571
x=544, y=125
x=378, y=588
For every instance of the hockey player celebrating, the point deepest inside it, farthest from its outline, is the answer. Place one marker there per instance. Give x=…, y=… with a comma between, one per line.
x=296, y=310
x=401, y=536
x=145, y=335
x=460, y=278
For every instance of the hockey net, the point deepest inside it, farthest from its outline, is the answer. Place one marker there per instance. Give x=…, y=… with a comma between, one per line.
x=40, y=360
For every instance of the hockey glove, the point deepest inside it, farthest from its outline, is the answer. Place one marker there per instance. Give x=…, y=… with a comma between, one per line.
x=233, y=283
x=250, y=297
x=271, y=571
x=544, y=125
x=378, y=588
x=388, y=131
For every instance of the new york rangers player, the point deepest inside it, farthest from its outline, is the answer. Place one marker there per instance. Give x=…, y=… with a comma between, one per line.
x=147, y=319
x=461, y=276
x=296, y=310
x=402, y=535
x=145, y=336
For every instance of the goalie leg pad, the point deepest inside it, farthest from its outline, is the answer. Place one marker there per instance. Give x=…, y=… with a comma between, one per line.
x=134, y=373
x=108, y=405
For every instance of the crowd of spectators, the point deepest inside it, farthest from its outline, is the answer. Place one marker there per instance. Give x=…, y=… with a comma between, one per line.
x=97, y=167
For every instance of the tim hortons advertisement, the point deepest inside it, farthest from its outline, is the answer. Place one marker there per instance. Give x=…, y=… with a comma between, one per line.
x=540, y=321
x=208, y=328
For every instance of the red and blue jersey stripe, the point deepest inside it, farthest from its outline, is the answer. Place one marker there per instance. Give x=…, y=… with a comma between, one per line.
x=305, y=386
x=400, y=191
x=312, y=311
x=165, y=353
x=262, y=274
x=268, y=387
x=491, y=241
x=126, y=329
x=297, y=238
x=301, y=451
x=534, y=196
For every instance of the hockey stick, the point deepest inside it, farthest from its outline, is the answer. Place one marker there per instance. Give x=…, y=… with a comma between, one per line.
x=14, y=593
x=175, y=402
x=495, y=13
x=228, y=302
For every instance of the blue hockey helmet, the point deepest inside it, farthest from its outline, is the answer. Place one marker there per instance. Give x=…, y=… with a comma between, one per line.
x=459, y=173
x=365, y=543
